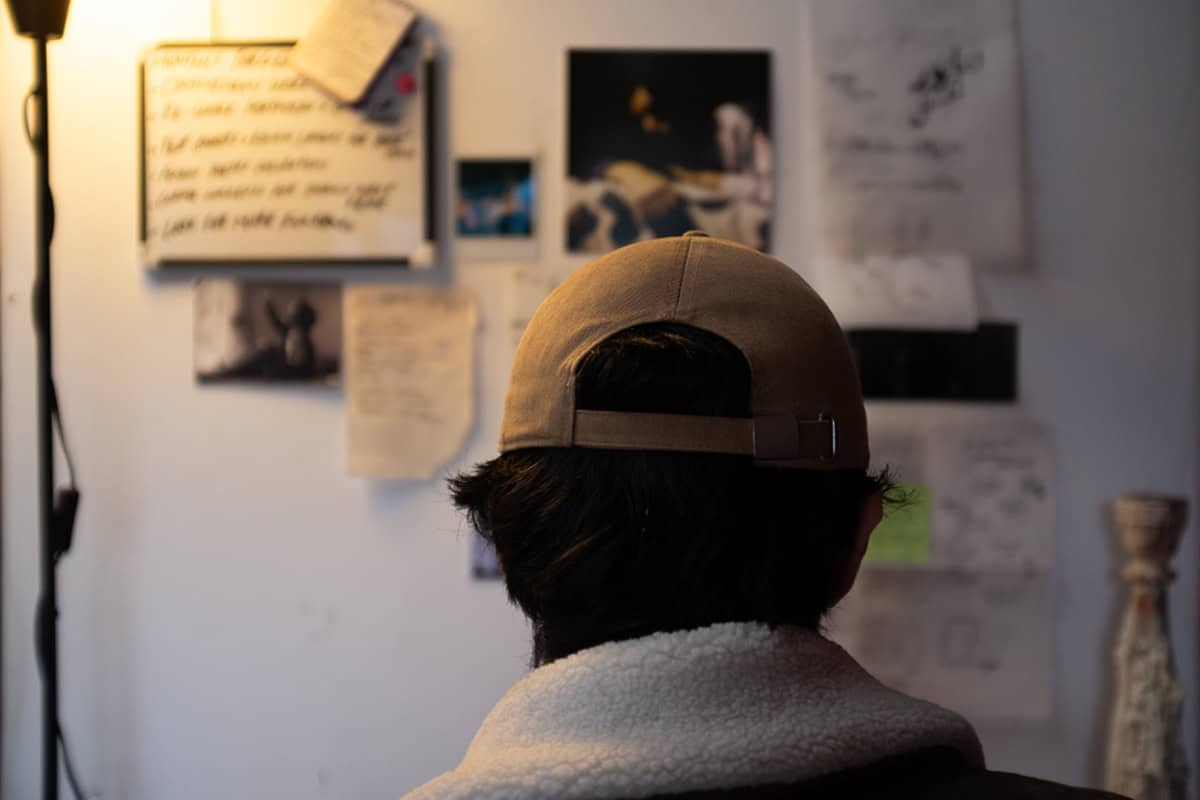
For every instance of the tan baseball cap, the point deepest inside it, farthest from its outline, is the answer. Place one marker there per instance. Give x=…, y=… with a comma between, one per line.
x=805, y=398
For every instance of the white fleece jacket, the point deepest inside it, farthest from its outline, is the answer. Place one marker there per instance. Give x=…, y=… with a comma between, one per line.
x=720, y=707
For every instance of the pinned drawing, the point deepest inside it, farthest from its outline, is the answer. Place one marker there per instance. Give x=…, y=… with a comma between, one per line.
x=917, y=130
x=936, y=635
x=942, y=83
x=995, y=508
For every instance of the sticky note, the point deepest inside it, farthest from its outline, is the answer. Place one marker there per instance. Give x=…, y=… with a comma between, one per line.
x=903, y=535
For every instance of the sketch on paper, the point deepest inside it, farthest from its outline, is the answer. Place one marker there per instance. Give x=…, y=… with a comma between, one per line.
x=267, y=332
x=990, y=490
x=942, y=83
x=662, y=142
x=995, y=507
x=955, y=638
x=917, y=129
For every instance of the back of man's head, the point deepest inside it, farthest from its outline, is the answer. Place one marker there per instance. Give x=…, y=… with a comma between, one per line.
x=655, y=515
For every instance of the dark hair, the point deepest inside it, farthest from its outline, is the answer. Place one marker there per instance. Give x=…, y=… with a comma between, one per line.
x=600, y=545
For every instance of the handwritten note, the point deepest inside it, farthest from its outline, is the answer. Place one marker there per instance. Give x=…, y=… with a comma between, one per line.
x=245, y=160
x=409, y=377
x=350, y=42
x=921, y=291
x=918, y=129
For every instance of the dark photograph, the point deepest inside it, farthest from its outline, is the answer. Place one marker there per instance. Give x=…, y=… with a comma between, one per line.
x=264, y=332
x=495, y=197
x=662, y=142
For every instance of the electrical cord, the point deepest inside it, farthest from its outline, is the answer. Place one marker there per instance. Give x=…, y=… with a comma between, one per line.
x=69, y=768
x=56, y=416
x=62, y=519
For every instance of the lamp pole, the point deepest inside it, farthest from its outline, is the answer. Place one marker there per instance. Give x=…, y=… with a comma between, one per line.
x=46, y=626
x=41, y=21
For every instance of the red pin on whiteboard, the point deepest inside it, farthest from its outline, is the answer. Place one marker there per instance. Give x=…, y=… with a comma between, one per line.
x=405, y=83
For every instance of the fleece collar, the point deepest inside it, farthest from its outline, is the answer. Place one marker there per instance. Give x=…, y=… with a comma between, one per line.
x=726, y=706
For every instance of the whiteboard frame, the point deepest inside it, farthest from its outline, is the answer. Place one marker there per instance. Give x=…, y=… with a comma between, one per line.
x=422, y=257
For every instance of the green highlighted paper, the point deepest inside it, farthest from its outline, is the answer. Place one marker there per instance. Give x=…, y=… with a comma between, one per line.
x=903, y=535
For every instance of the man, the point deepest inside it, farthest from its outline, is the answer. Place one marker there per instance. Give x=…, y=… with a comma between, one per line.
x=681, y=497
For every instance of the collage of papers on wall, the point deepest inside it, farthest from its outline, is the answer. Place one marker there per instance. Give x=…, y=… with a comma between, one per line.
x=907, y=206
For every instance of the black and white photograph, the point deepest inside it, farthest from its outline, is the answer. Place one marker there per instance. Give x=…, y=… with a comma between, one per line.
x=662, y=142
x=268, y=333
x=495, y=197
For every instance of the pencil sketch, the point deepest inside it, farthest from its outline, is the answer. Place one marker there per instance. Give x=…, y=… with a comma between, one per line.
x=942, y=83
x=917, y=128
x=994, y=507
x=955, y=638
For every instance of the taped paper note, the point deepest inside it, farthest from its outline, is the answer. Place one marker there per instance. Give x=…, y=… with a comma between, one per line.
x=349, y=44
x=409, y=377
x=918, y=129
x=981, y=645
x=927, y=291
x=994, y=502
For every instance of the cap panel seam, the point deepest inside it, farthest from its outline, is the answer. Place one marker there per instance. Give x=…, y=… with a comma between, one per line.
x=685, y=251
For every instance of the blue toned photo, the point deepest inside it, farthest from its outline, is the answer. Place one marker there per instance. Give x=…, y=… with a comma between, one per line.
x=495, y=198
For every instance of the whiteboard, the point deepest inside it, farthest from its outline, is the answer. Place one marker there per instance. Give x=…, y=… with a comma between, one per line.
x=245, y=161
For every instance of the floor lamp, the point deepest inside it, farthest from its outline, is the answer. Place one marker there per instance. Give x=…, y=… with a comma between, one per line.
x=43, y=20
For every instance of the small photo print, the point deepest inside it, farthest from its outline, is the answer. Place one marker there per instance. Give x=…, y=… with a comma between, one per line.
x=267, y=333
x=484, y=566
x=495, y=198
x=663, y=142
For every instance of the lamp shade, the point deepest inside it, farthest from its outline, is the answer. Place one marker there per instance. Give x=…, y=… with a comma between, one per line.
x=39, y=18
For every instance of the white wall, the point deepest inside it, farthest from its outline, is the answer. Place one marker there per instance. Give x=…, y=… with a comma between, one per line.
x=240, y=619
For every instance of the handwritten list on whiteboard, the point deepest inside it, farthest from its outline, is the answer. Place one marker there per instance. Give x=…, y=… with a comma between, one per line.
x=244, y=160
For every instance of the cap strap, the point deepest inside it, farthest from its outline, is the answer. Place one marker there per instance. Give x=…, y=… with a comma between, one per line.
x=774, y=438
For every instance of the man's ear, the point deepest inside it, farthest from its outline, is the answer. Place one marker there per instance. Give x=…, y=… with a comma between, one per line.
x=869, y=517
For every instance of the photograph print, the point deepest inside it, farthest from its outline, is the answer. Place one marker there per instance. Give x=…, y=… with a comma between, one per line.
x=663, y=142
x=267, y=333
x=495, y=198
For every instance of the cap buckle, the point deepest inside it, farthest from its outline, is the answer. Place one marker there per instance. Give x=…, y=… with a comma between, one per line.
x=788, y=438
x=832, y=420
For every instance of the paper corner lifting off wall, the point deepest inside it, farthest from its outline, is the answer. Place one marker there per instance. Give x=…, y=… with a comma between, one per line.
x=410, y=364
